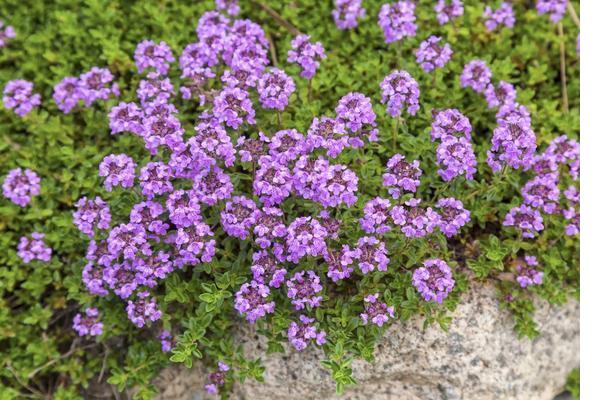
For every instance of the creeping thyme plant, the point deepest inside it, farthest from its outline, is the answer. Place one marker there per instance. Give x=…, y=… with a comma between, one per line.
x=175, y=174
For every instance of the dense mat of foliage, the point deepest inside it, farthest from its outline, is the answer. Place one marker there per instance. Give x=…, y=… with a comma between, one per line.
x=41, y=353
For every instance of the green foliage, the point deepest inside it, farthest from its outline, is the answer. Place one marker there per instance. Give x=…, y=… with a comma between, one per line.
x=572, y=385
x=41, y=356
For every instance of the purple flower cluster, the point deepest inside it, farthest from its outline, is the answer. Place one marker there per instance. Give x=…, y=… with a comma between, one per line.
x=18, y=95
x=267, y=270
x=301, y=333
x=149, y=55
x=542, y=192
x=456, y=157
x=447, y=10
x=329, y=134
x=143, y=310
x=339, y=263
x=274, y=89
x=376, y=216
x=7, y=32
x=347, y=13
x=355, y=111
x=370, y=254
x=118, y=170
x=253, y=300
x=514, y=141
x=167, y=341
x=20, y=186
x=503, y=95
x=556, y=8
x=376, y=311
x=453, y=216
x=217, y=379
x=89, y=324
x=527, y=275
x=305, y=237
x=525, y=218
x=304, y=289
x=431, y=54
x=401, y=176
x=397, y=20
x=231, y=7
x=32, y=248
x=306, y=55
x=91, y=214
x=414, y=220
x=90, y=87
x=450, y=122
x=239, y=217
x=476, y=75
x=434, y=280
x=503, y=15
x=400, y=91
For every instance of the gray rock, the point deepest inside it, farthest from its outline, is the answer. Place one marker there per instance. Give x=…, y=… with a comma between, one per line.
x=480, y=357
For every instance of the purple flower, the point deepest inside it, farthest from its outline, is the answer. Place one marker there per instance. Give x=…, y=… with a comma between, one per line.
x=216, y=379
x=272, y=182
x=233, y=106
x=91, y=214
x=528, y=276
x=32, y=248
x=376, y=216
x=167, y=341
x=331, y=225
x=456, y=157
x=308, y=176
x=92, y=277
x=542, y=192
x=370, y=253
x=155, y=89
x=415, y=221
x=269, y=227
x=450, y=123
x=397, y=20
x=329, y=134
x=356, y=112
x=126, y=117
x=347, y=13
x=97, y=252
x=300, y=334
x=267, y=270
x=147, y=214
x=376, y=311
x=274, y=89
x=118, y=170
x=184, y=208
x=212, y=185
x=155, y=179
x=476, y=75
x=250, y=150
x=213, y=141
x=156, y=266
x=194, y=241
x=18, y=95
x=400, y=91
x=94, y=86
x=453, y=216
x=305, y=237
x=306, y=55
x=401, y=175
x=149, y=55
x=6, y=32
x=231, y=7
x=431, y=54
x=161, y=127
x=573, y=218
x=503, y=15
x=66, y=94
x=338, y=185
x=513, y=142
x=253, y=300
x=89, y=324
x=128, y=239
x=143, y=310
x=339, y=263
x=433, y=280
x=287, y=145
x=303, y=290
x=525, y=218
x=20, y=186
x=563, y=149
x=556, y=8
x=503, y=95
x=123, y=279
x=239, y=217
x=447, y=10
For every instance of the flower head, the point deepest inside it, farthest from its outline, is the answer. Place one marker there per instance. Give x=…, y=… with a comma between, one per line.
x=32, y=248
x=431, y=54
x=88, y=324
x=400, y=91
x=306, y=55
x=434, y=280
x=301, y=333
x=397, y=20
x=376, y=311
x=18, y=95
x=20, y=186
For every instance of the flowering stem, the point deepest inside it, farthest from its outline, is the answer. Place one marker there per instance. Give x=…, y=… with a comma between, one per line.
x=309, y=95
x=563, y=69
x=279, y=119
x=573, y=14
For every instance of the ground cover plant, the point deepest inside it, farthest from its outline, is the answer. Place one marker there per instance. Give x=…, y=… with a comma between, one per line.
x=318, y=170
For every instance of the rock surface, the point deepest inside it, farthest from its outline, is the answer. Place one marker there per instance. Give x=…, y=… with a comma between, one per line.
x=479, y=358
